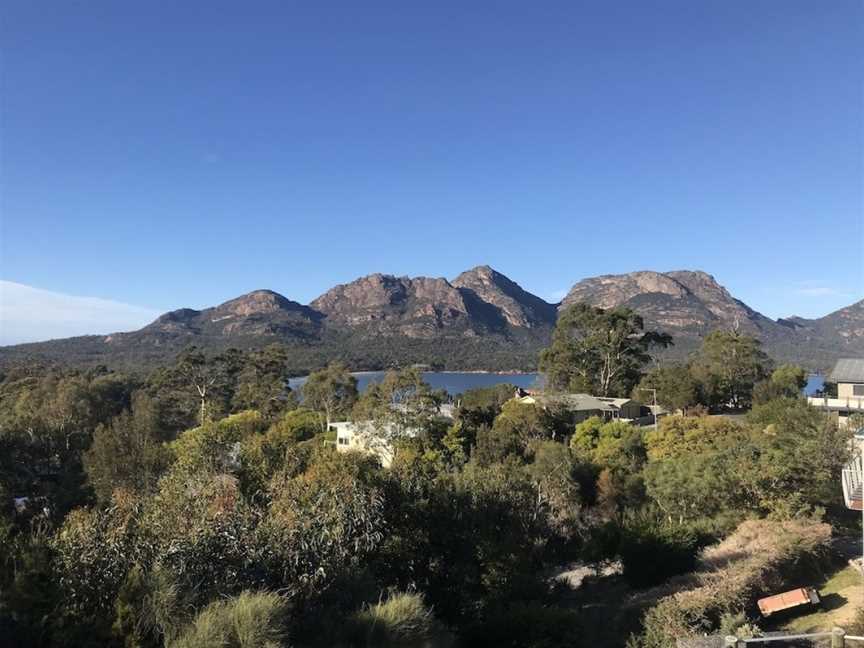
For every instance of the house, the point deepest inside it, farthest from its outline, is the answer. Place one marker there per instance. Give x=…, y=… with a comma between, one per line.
x=584, y=406
x=627, y=408
x=848, y=375
x=377, y=438
x=579, y=406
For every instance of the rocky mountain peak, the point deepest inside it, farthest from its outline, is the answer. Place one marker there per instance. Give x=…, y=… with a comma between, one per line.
x=174, y=320
x=685, y=303
x=255, y=303
x=517, y=306
x=609, y=291
x=379, y=303
x=370, y=291
x=380, y=319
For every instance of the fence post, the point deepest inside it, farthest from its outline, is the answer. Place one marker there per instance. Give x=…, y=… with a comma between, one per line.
x=838, y=638
x=731, y=641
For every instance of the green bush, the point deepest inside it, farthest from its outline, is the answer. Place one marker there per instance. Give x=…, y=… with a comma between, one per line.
x=651, y=553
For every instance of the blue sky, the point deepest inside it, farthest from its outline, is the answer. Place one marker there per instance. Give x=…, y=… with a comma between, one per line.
x=168, y=154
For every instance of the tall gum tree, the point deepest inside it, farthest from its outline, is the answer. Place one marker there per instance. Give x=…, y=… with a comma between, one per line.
x=599, y=351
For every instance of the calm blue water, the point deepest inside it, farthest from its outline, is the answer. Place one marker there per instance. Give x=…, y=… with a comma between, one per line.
x=454, y=382
x=814, y=384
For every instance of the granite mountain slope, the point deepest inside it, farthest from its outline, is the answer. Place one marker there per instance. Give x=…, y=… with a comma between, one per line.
x=479, y=320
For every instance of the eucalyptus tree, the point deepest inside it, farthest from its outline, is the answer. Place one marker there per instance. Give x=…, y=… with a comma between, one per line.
x=332, y=391
x=599, y=351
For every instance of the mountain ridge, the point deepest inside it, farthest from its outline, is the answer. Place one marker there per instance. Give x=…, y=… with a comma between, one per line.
x=481, y=319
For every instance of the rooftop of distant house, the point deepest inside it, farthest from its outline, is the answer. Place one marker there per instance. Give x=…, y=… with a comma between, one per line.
x=847, y=370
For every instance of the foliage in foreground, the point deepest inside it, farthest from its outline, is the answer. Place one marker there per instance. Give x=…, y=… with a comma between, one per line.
x=402, y=619
x=157, y=515
x=249, y=620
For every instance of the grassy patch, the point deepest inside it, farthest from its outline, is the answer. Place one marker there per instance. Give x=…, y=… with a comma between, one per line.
x=841, y=596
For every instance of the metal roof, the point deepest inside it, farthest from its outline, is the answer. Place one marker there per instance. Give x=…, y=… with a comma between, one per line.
x=617, y=402
x=847, y=370
x=575, y=402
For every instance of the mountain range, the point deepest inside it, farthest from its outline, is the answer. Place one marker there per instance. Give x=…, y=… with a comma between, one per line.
x=481, y=320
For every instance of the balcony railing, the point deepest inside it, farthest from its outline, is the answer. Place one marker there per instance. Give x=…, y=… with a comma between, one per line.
x=853, y=485
x=836, y=638
x=838, y=404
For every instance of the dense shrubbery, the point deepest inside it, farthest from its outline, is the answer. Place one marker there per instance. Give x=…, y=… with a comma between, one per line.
x=204, y=506
x=652, y=553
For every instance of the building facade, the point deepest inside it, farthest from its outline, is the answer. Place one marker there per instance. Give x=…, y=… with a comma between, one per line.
x=848, y=375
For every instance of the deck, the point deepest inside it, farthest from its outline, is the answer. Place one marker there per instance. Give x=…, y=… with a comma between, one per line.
x=853, y=485
x=851, y=405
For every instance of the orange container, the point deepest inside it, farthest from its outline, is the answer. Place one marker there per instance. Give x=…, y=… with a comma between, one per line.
x=791, y=599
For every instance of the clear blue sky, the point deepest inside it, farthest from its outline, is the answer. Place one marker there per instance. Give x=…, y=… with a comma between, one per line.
x=170, y=154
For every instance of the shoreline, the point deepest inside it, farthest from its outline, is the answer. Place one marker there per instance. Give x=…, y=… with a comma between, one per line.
x=454, y=372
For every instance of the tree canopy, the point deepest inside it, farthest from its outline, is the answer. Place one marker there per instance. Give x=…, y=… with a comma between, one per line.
x=598, y=351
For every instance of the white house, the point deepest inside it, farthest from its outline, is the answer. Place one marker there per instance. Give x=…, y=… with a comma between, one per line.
x=366, y=437
x=377, y=438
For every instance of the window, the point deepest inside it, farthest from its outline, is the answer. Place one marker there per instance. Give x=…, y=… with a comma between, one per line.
x=858, y=390
x=343, y=440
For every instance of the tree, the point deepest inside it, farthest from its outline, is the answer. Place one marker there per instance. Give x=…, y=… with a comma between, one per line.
x=728, y=366
x=523, y=423
x=613, y=444
x=263, y=455
x=331, y=391
x=322, y=523
x=675, y=386
x=555, y=473
x=790, y=378
x=94, y=551
x=263, y=382
x=801, y=453
x=692, y=486
x=135, y=437
x=206, y=376
x=786, y=381
x=402, y=409
x=200, y=529
x=481, y=405
x=598, y=351
x=680, y=436
x=215, y=446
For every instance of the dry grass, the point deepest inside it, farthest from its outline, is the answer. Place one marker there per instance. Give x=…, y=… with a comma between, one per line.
x=730, y=575
x=841, y=599
x=401, y=619
x=250, y=620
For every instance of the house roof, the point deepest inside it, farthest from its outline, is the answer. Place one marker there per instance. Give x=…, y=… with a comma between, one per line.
x=445, y=410
x=617, y=402
x=575, y=402
x=847, y=370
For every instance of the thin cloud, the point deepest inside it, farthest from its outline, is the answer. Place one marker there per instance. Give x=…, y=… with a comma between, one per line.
x=819, y=289
x=29, y=314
